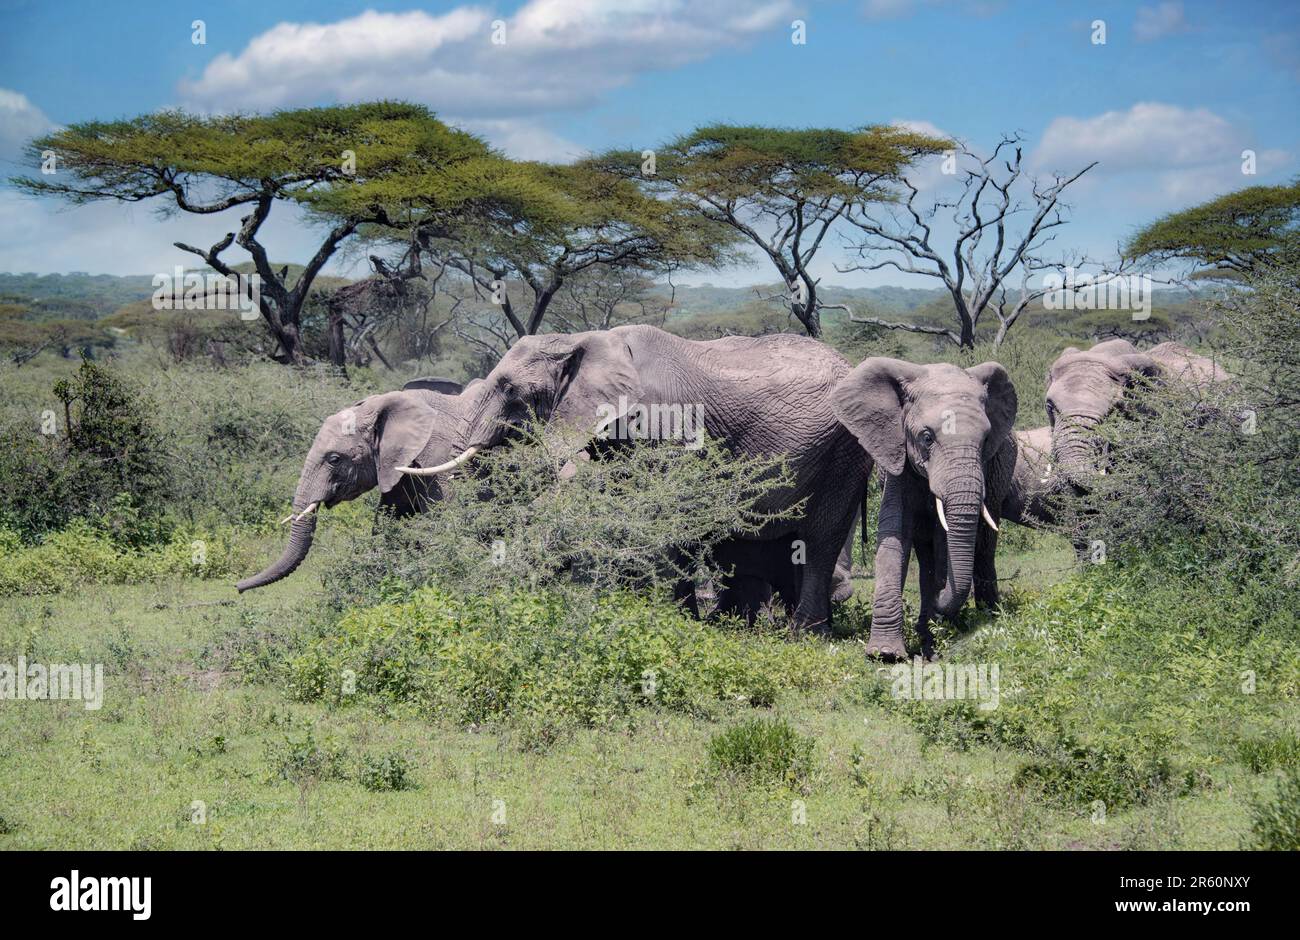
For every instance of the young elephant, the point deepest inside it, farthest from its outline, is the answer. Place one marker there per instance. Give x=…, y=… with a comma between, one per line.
x=363, y=446
x=939, y=435
x=1084, y=386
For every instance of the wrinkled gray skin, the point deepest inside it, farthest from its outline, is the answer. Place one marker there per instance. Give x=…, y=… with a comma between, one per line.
x=1084, y=386
x=761, y=571
x=361, y=447
x=935, y=431
x=767, y=395
x=1024, y=502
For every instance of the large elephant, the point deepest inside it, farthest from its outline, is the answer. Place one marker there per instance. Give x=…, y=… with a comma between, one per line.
x=939, y=435
x=363, y=446
x=767, y=395
x=1084, y=386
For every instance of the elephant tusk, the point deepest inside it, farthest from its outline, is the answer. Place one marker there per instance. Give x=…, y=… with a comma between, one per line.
x=452, y=464
x=988, y=517
x=306, y=512
x=943, y=520
x=288, y=518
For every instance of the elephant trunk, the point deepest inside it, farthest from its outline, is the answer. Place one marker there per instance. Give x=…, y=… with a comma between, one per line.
x=1075, y=452
x=963, y=508
x=301, y=533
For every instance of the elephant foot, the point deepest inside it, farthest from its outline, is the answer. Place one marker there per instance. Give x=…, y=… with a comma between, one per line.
x=890, y=649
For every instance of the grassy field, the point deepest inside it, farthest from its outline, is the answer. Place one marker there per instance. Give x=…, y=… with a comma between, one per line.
x=183, y=723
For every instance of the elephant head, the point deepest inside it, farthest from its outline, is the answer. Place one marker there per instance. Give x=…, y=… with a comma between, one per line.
x=1083, y=387
x=581, y=379
x=938, y=425
x=365, y=446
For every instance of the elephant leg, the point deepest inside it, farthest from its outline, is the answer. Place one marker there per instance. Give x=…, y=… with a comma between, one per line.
x=893, y=548
x=842, y=579
x=986, y=574
x=928, y=564
x=745, y=595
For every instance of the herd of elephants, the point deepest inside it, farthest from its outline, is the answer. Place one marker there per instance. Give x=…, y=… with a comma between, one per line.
x=941, y=437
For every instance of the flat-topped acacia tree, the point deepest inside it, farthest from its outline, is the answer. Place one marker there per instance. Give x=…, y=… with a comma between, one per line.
x=781, y=189
x=1230, y=237
x=210, y=164
x=536, y=226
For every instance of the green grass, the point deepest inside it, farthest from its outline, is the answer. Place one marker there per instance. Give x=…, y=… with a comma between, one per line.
x=194, y=712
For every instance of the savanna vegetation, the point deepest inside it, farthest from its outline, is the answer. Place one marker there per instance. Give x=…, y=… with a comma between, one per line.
x=514, y=673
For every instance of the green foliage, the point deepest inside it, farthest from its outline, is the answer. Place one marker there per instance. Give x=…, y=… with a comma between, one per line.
x=387, y=774
x=543, y=664
x=1242, y=232
x=1212, y=467
x=1270, y=751
x=763, y=751
x=1134, y=678
x=82, y=554
x=105, y=458
x=1276, y=824
x=304, y=760
x=639, y=517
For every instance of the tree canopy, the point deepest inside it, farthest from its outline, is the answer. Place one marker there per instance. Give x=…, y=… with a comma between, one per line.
x=1233, y=235
x=336, y=161
x=782, y=189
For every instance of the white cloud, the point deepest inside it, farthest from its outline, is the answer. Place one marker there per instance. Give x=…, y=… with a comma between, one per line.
x=1184, y=154
x=20, y=120
x=557, y=55
x=46, y=236
x=522, y=139
x=1157, y=22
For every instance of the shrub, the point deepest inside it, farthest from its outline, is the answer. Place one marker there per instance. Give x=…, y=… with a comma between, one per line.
x=638, y=518
x=105, y=459
x=545, y=663
x=1275, y=824
x=82, y=553
x=762, y=751
x=1123, y=682
x=1213, y=469
x=391, y=772
x=304, y=760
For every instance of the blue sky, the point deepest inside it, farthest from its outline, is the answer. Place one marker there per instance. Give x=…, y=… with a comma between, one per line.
x=1167, y=104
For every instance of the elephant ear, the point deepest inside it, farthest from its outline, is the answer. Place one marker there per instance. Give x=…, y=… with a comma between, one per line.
x=598, y=380
x=434, y=384
x=401, y=426
x=869, y=402
x=1001, y=403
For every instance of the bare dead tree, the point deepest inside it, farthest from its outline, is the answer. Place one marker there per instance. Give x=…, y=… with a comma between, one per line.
x=997, y=234
x=599, y=301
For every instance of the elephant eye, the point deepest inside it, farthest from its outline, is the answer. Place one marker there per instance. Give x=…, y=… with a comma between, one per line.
x=1051, y=413
x=927, y=437
x=333, y=458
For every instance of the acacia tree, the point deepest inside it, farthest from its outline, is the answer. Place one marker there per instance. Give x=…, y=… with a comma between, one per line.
x=1235, y=235
x=780, y=189
x=997, y=239
x=210, y=164
x=542, y=226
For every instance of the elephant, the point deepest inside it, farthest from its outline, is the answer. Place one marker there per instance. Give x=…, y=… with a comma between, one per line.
x=766, y=395
x=939, y=435
x=1083, y=387
x=762, y=570
x=362, y=446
